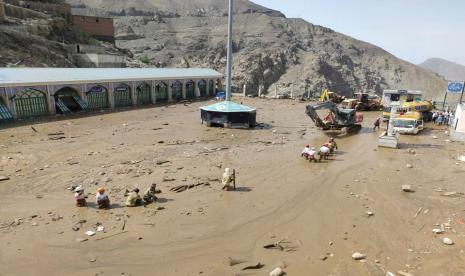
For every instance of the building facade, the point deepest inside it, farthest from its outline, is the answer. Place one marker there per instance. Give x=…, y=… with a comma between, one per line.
x=52, y=91
x=101, y=28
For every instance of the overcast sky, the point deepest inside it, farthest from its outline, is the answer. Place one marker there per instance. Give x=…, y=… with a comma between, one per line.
x=413, y=30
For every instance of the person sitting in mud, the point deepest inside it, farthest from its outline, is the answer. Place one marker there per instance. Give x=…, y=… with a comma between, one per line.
x=324, y=152
x=134, y=199
x=103, y=201
x=149, y=195
x=312, y=154
x=227, y=180
x=306, y=151
x=80, y=197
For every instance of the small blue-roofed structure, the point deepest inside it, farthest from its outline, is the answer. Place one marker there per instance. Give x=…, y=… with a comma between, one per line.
x=229, y=114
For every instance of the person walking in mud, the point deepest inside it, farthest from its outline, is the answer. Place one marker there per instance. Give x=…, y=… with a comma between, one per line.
x=376, y=124
x=228, y=180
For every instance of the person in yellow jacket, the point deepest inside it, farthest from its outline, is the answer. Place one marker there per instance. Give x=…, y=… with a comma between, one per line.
x=133, y=198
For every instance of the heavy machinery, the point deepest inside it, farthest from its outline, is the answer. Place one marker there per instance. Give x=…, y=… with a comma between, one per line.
x=425, y=108
x=363, y=101
x=408, y=123
x=326, y=95
x=337, y=119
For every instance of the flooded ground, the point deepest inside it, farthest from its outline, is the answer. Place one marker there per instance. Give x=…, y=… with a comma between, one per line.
x=319, y=211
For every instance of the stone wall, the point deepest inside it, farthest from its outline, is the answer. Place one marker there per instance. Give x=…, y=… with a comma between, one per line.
x=100, y=28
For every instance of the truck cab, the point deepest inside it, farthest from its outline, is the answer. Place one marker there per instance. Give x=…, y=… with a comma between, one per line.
x=408, y=125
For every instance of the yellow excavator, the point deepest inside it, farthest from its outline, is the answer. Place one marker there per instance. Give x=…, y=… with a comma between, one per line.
x=422, y=107
x=326, y=95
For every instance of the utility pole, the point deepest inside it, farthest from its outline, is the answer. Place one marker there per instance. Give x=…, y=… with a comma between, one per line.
x=229, y=55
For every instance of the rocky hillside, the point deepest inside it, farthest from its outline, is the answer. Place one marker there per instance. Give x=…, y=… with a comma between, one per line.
x=269, y=48
x=450, y=70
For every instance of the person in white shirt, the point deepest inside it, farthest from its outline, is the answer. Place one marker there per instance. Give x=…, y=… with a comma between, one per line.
x=306, y=151
x=80, y=197
x=102, y=199
x=324, y=152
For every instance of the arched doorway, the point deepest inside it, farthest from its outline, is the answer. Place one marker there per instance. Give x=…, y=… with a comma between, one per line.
x=30, y=102
x=161, y=92
x=122, y=95
x=67, y=100
x=190, y=90
x=176, y=89
x=143, y=94
x=211, y=91
x=5, y=114
x=97, y=97
x=202, y=88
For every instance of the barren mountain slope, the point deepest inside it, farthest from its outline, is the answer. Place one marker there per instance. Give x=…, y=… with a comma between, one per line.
x=450, y=70
x=269, y=48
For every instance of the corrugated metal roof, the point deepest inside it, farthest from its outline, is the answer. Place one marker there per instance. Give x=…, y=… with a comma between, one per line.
x=43, y=76
x=227, y=106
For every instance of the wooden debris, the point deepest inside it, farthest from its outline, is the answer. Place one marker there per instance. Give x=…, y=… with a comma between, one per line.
x=116, y=234
x=182, y=188
x=418, y=212
x=257, y=266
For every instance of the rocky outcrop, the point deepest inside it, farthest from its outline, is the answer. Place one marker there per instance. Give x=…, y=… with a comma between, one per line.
x=269, y=49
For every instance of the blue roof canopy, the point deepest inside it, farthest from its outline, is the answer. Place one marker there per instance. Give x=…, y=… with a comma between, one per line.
x=228, y=106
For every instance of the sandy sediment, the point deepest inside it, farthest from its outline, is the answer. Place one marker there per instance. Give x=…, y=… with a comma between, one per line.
x=318, y=211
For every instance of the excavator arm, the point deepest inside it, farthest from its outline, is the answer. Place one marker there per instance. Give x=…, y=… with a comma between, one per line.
x=341, y=117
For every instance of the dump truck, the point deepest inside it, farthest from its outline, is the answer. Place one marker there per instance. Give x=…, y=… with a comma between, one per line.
x=336, y=119
x=425, y=108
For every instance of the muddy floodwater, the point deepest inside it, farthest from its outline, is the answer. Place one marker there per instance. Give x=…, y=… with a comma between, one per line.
x=322, y=213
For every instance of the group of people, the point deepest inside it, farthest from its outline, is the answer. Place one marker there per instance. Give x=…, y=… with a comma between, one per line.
x=325, y=150
x=133, y=197
x=443, y=118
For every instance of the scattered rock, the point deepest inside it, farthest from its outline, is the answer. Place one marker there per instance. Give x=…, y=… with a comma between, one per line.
x=34, y=224
x=437, y=231
x=409, y=166
x=454, y=193
x=233, y=262
x=369, y=213
x=403, y=273
x=358, y=256
x=81, y=239
x=323, y=258
x=277, y=272
x=90, y=233
x=447, y=241
x=407, y=188
x=3, y=178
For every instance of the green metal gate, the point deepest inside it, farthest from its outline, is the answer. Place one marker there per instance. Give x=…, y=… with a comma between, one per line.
x=161, y=92
x=30, y=103
x=211, y=91
x=176, y=89
x=202, y=88
x=122, y=96
x=190, y=90
x=97, y=97
x=143, y=94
